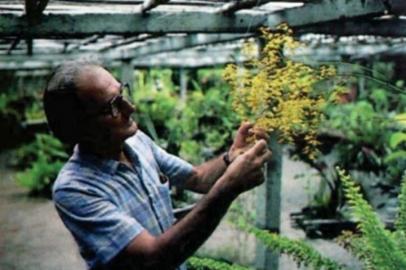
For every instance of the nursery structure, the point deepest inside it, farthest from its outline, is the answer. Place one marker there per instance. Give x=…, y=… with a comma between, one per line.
x=36, y=36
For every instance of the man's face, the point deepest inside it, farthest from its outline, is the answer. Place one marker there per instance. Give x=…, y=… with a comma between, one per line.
x=97, y=89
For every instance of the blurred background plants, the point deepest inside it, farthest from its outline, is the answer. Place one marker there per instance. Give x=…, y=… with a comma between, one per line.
x=196, y=127
x=40, y=162
x=365, y=134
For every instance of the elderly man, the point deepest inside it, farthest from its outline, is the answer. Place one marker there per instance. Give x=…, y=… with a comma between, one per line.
x=113, y=193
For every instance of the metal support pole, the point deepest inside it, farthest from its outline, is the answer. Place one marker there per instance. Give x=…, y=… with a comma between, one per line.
x=268, y=206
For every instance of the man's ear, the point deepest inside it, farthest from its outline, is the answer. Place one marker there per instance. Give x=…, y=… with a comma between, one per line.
x=91, y=132
x=62, y=116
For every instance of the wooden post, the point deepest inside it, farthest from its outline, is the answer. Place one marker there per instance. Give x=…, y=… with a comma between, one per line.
x=127, y=74
x=268, y=206
x=183, y=84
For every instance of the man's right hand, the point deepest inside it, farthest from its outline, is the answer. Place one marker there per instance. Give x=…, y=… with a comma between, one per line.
x=245, y=172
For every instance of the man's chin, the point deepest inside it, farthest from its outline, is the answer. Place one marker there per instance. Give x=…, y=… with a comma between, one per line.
x=133, y=128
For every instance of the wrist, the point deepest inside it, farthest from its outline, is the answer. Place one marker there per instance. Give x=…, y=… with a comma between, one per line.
x=226, y=158
x=224, y=188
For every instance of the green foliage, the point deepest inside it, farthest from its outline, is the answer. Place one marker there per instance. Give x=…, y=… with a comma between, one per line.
x=396, y=139
x=35, y=111
x=40, y=176
x=299, y=251
x=360, y=124
x=377, y=247
x=41, y=161
x=357, y=246
x=196, y=128
x=364, y=132
x=13, y=108
x=397, y=143
x=401, y=218
x=196, y=263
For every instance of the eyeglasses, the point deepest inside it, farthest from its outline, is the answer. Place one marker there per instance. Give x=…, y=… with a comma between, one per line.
x=114, y=106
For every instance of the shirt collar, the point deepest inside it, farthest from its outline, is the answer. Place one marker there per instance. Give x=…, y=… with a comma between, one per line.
x=103, y=164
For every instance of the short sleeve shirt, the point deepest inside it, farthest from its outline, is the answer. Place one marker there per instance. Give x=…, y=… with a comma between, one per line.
x=105, y=204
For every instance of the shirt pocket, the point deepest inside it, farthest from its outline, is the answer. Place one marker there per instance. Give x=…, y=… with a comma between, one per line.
x=165, y=194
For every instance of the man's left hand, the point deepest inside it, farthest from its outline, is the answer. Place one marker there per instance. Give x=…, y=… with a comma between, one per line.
x=242, y=142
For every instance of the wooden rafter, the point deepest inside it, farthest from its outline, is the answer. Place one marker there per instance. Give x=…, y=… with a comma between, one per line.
x=150, y=4
x=326, y=11
x=233, y=6
x=128, y=41
x=166, y=44
x=81, y=25
x=327, y=52
x=386, y=27
x=184, y=21
x=175, y=43
x=83, y=42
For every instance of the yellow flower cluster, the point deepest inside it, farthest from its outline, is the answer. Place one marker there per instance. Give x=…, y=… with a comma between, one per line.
x=277, y=93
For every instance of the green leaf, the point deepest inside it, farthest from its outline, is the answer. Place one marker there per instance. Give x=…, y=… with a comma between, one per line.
x=401, y=119
x=395, y=156
x=396, y=139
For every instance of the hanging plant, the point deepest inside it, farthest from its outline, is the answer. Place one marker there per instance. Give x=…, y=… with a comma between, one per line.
x=280, y=94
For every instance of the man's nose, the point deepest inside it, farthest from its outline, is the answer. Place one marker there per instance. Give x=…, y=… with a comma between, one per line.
x=127, y=107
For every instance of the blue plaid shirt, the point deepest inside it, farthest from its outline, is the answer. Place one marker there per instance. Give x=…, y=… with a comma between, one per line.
x=105, y=204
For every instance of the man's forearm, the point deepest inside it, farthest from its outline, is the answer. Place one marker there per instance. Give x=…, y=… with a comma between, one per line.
x=206, y=175
x=186, y=236
x=179, y=242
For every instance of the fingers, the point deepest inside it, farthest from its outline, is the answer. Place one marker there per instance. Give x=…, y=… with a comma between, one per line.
x=259, y=133
x=245, y=128
x=267, y=156
x=259, y=148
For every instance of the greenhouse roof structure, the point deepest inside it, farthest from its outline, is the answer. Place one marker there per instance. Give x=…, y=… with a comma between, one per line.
x=39, y=34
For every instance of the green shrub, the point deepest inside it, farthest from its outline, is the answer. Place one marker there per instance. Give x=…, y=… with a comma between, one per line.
x=196, y=263
x=197, y=128
x=41, y=161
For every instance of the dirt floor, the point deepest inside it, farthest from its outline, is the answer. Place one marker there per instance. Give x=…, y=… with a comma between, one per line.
x=33, y=238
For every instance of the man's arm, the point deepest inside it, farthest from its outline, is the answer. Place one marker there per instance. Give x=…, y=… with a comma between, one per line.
x=179, y=242
x=205, y=175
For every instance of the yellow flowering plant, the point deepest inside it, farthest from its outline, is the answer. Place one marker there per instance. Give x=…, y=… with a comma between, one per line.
x=277, y=93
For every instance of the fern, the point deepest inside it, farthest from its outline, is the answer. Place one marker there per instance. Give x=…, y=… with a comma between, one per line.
x=301, y=253
x=376, y=247
x=195, y=263
x=356, y=245
x=377, y=244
